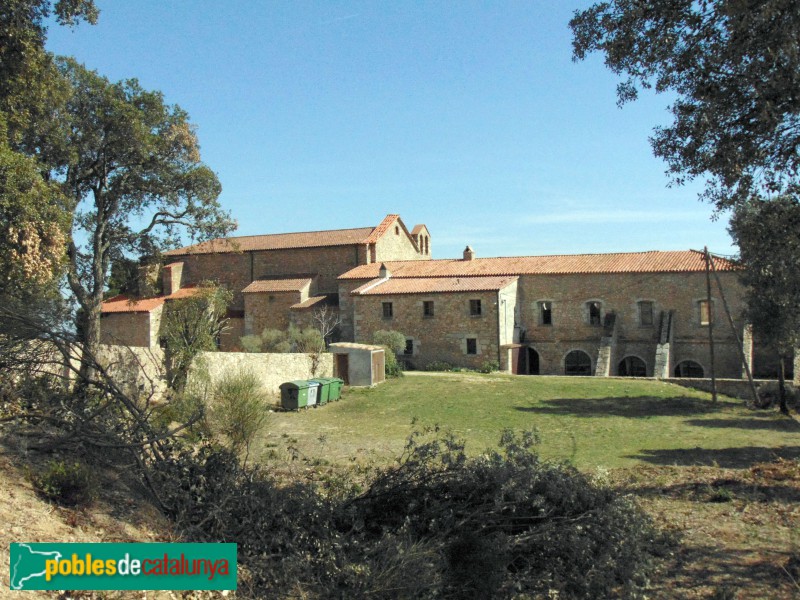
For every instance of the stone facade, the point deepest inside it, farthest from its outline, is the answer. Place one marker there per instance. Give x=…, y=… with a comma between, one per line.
x=641, y=314
x=139, y=329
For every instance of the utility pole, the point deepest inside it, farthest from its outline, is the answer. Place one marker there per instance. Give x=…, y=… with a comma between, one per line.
x=753, y=392
x=710, y=314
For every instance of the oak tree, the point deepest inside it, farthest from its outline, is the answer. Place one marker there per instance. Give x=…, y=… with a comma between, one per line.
x=734, y=67
x=133, y=172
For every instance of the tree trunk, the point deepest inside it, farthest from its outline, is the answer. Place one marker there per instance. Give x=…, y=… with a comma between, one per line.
x=782, y=386
x=90, y=343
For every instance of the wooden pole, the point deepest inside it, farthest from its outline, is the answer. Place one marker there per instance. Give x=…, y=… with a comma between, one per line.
x=710, y=314
x=753, y=392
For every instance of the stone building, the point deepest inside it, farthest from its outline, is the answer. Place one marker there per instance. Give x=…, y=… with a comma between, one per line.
x=641, y=313
x=638, y=314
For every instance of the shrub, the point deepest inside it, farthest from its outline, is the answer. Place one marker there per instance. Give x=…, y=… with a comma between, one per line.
x=394, y=340
x=251, y=343
x=490, y=366
x=439, y=365
x=436, y=525
x=239, y=410
x=67, y=483
x=275, y=340
x=393, y=366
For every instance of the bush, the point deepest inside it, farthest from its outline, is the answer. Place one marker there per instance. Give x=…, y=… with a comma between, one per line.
x=393, y=340
x=393, y=366
x=239, y=410
x=67, y=483
x=490, y=366
x=437, y=525
x=439, y=365
x=251, y=343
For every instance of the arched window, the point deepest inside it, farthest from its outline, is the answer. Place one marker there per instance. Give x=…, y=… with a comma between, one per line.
x=577, y=362
x=632, y=366
x=689, y=368
x=594, y=312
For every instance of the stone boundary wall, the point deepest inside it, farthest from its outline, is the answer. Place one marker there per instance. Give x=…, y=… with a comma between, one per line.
x=141, y=374
x=271, y=369
x=735, y=388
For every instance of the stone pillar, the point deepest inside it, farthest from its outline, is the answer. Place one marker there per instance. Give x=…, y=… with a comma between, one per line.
x=171, y=277
x=796, y=379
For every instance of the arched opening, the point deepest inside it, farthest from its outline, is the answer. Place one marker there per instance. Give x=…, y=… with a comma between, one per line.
x=690, y=369
x=632, y=366
x=577, y=362
x=533, y=362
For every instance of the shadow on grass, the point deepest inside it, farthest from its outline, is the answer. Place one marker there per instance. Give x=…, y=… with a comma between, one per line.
x=641, y=407
x=762, y=422
x=728, y=458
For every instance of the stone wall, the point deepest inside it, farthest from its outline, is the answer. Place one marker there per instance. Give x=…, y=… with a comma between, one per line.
x=138, y=371
x=135, y=329
x=396, y=245
x=620, y=294
x=268, y=310
x=271, y=369
x=441, y=337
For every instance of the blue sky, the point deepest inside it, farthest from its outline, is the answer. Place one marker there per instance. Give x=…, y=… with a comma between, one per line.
x=469, y=117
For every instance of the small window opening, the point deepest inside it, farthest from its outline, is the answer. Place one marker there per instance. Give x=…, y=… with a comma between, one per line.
x=546, y=313
x=706, y=316
x=409, y=350
x=388, y=311
x=475, y=308
x=594, y=313
x=472, y=345
x=427, y=308
x=646, y=314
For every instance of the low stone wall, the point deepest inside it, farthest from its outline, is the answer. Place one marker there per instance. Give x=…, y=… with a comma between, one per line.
x=271, y=369
x=735, y=388
x=139, y=371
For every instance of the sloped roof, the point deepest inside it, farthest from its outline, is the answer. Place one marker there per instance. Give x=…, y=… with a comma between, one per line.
x=277, y=285
x=277, y=241
x=424, y=285
x=655, y=261
x=418, y=228
x=123, y=303
x=316, y=302
x=382, y=228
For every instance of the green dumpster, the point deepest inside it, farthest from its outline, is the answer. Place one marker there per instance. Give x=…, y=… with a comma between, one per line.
x=295, y=394
x=336, y=388
x=324, y=389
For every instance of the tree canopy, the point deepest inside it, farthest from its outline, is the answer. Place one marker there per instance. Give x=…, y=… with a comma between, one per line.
x=735, y=67
x=131, y=165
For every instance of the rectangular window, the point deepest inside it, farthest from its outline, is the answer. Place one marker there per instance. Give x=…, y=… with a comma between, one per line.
x=472, y=345
x=645, y=314
x=427, y=308
x=706, y=316
x=594, y=313
x=388, y=313
x=545, y=313
x=409, y=347
x=475, y=308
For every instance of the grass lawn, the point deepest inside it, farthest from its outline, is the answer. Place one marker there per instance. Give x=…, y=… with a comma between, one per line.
x=590, y=422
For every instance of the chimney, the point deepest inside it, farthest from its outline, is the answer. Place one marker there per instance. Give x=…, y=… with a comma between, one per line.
x=171, y=278
x=384, y=273
x=469, y=253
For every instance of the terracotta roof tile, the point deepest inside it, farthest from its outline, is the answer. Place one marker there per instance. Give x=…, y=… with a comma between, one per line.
x=316, y=302
x=382, y=228
x=631, y=262
x=277, y=241
x=125, y=304
x=277, y=285
x=418, y=228
x=392, y=286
